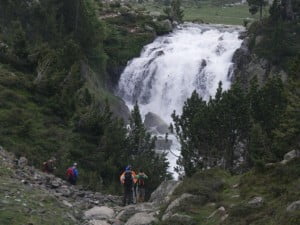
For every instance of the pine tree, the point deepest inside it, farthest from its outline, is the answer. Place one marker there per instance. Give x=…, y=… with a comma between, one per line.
x=256, y=5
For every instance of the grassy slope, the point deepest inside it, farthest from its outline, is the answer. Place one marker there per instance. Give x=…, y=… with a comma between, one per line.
x=279, y=186
x=22, y=204
x=208, y=13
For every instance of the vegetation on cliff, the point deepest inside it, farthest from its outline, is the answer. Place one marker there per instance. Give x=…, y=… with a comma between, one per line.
x=58, y=63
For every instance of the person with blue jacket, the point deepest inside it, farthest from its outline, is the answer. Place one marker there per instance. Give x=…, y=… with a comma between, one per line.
x=72, y=174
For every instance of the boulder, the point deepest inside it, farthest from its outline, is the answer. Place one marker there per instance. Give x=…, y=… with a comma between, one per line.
x=293, y=206
x=256, y=202
x=154, y=123
x=128, y=212
x=292, y=155
x=162, y=194
x=177, y=203
x=99, y=213
x=142, y=219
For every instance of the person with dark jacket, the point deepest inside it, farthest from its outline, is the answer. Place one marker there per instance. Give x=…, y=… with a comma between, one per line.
x=48, y=166
x=127, y=179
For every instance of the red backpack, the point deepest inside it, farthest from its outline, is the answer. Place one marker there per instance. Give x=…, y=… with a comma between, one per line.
x=70, y=172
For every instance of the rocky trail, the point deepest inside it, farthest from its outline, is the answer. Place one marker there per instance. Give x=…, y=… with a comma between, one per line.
x=31, y=189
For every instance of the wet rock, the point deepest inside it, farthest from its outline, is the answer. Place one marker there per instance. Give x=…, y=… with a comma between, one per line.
x=99, y=213
x=154, y=122
x=142, y=219
x=295, y=206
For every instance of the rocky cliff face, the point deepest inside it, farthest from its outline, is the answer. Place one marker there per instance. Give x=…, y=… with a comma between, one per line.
x=248, y=64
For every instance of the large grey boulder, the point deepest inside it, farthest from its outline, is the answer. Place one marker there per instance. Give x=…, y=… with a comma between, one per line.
x=99, y=213
x=142, y=219
x=154, y=123
x=293, y=206
x=162, y=194
x=292, y=155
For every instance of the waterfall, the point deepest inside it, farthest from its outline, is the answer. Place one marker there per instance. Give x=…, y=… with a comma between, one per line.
x=192, y=57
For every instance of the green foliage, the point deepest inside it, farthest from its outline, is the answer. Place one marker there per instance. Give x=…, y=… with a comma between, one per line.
x=256, y=5
x=209, y=132
x=174, y=11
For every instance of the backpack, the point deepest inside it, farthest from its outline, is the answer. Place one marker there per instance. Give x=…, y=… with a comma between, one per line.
x=141, y=181
x=70, y=172
x=128, y=178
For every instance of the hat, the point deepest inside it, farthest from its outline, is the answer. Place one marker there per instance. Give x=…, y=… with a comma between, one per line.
x=75, y=164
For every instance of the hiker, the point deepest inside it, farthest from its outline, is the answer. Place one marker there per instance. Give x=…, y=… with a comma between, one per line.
x=127, y=179
x=141, y=185
x=134, y=193
x=48, y=166
x=72, y=174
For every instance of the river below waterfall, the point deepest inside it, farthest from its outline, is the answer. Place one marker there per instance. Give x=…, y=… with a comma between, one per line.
x=192, y=57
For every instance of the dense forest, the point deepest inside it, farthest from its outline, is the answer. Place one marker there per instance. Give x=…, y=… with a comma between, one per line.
x=59, y=62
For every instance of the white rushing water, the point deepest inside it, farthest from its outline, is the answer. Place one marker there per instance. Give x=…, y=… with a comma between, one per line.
x=193, y=57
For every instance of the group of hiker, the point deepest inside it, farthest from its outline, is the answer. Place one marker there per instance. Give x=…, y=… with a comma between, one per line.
x=134, y=184
x=71, y=174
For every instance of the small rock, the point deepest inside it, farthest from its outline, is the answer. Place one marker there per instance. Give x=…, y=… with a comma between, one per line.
x=221, y=211
x=22, y=162
x=235, y=185
x=66, y=203
x=54, y=184
x=293, y=206
x=256, y=202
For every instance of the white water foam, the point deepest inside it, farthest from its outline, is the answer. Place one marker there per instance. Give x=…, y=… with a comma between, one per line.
x=193, y=57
